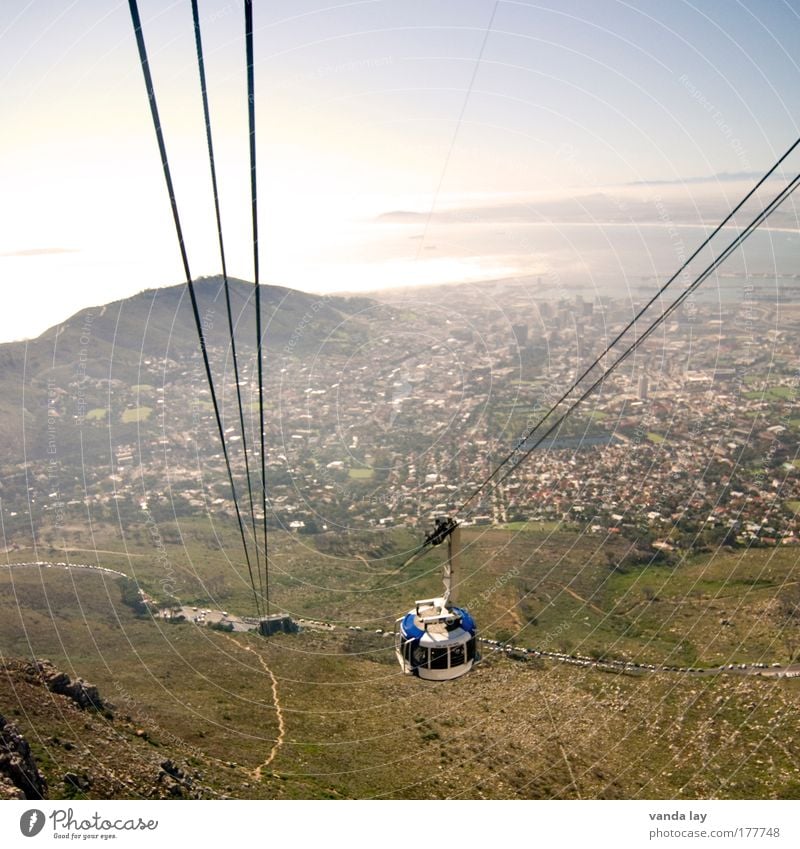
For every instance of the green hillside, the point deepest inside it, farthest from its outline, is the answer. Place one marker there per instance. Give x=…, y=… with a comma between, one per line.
x=353, y=726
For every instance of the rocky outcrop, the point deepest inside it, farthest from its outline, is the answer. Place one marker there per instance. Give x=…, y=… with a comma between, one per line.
x=19, y=776
x=113, y=758
x=84, y=694
x=80, y=782
x=174, y=780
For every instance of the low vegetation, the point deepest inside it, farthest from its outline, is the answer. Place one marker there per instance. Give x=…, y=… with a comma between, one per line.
x=355, y=727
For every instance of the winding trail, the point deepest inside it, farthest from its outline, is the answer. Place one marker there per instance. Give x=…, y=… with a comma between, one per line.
x=582, y=600
x=257, y=772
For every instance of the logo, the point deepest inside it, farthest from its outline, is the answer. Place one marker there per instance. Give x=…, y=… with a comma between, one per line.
x=31, y=822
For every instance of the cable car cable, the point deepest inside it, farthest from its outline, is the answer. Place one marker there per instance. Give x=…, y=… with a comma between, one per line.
x=754, y=223
x=212, y=163
x=631, y=323
x=251, y=114
x=741, y=237
x=151, y=95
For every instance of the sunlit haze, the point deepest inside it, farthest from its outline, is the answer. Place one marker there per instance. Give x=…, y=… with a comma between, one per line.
x=369, y=111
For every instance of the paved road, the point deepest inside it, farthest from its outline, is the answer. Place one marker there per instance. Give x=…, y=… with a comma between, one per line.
x=48, y=565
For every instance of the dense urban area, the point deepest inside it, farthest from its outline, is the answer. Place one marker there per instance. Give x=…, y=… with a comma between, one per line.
x=692, y=441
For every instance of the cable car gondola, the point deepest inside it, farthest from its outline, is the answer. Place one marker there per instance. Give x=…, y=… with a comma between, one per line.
x=437, y=640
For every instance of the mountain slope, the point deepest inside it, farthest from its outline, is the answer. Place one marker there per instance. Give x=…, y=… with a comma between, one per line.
x=151, y=339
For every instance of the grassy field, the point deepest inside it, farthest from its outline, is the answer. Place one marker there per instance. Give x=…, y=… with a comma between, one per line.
x=361, y=474
x=136, y=414
x=355, y=727
x=771, y=393
x=531, y=583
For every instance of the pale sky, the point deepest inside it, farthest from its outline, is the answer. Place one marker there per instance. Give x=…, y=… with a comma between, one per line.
x=358, y=109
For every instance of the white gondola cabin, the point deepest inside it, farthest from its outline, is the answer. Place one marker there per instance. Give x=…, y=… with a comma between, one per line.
x=437, y=640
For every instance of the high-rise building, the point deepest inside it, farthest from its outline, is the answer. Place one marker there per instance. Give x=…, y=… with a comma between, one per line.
x=520, y=334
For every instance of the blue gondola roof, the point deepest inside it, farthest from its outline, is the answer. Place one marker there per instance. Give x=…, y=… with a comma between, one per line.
x=467, y=622
x=412, y=631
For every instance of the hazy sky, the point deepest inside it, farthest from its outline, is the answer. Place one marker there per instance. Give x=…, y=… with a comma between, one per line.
x=358, y=109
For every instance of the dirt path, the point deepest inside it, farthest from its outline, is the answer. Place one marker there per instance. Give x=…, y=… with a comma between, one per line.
x=257, y=772
x=582, y=600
